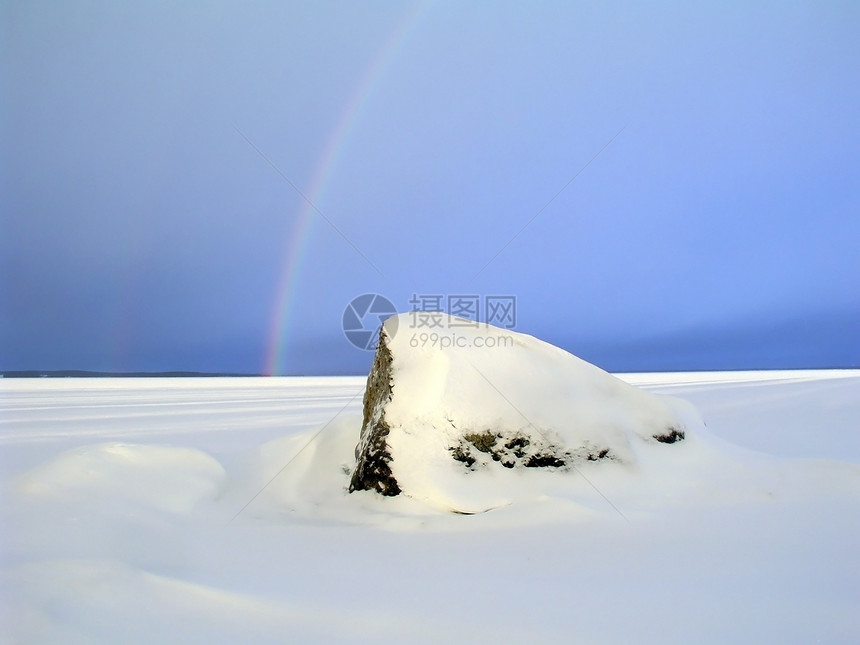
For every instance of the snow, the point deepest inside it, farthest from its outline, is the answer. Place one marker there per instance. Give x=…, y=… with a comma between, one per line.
x=214, y=510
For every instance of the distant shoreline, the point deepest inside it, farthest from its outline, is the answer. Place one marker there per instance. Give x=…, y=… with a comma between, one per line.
x=55, y=374
x=93, y=374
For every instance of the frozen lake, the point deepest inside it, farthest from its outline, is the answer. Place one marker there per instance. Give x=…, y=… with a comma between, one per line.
x=120, y=500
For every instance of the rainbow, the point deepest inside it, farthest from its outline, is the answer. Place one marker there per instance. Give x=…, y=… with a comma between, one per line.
x=324, y=170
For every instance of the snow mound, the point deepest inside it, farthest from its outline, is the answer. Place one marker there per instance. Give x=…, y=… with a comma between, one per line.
x=167, y=478
x=461, y=416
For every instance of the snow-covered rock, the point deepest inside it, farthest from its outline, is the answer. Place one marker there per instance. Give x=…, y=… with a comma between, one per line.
x=467, y=404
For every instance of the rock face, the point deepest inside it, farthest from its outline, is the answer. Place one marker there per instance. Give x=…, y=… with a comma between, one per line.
x=373, y=458
x=446, y=407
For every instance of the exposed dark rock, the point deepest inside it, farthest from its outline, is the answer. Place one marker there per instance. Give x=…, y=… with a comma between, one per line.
x=509, y=451
x=483, y=441
x=463, y=456
x=372, y=469
x=601, y=454
x=671, y=436
x=544, y=461
x=518, y=444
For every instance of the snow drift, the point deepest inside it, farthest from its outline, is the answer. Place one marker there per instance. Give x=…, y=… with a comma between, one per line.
x=169, y=478
x=454, y=409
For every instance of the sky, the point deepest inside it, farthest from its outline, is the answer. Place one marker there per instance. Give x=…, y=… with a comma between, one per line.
x=207, y=186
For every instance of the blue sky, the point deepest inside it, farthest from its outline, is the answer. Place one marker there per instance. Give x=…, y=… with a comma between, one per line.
x=149, y=222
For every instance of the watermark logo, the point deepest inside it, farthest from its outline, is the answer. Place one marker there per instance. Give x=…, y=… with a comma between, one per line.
x=363, y=318
x=434, y=319
x=429, y=310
